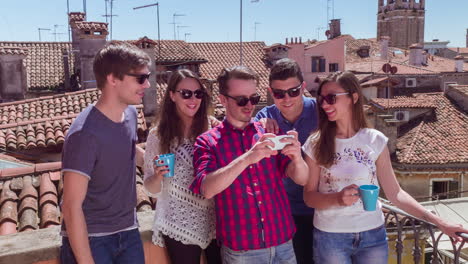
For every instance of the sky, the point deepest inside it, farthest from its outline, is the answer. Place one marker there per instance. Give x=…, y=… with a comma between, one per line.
x=219, y=20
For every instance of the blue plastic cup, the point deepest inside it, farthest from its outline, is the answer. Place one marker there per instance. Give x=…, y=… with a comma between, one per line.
x=369, y=195
x=166, y=160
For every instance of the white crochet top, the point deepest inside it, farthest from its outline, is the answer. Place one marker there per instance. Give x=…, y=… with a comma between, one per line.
x=180, y=214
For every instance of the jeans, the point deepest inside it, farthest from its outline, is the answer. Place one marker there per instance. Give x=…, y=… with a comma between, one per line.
x=303, y=238
x=122, y=247
x=281, y=254
x=345, y=248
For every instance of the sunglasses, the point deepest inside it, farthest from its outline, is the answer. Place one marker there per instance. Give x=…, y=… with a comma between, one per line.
x=141, y=78
x=329, y=98
x=292, y=92
x=187, y=94
x=243, y=100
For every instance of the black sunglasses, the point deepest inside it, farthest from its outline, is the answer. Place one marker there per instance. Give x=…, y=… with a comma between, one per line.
x=141, y=78
x=292, y=92
x=187, y=94
x=329, y=98
x=243, y=100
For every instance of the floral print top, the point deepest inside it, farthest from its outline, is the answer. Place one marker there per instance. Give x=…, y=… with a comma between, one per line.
x=354, y=163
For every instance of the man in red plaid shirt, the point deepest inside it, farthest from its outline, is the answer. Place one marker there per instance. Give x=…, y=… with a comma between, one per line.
x=234, y=164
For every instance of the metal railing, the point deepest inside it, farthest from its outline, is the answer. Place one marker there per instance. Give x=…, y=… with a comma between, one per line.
x=401, y=224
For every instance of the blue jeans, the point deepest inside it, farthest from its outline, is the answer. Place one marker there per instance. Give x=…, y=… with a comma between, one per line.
x=122, y=247
x=345, y=248
x=281, y=254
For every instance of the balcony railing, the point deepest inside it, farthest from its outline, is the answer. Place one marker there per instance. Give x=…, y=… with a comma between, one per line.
x=405, y=230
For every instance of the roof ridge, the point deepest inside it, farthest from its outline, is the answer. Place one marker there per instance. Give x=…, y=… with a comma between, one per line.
x=37, y=42
x=412, y=66
x=38, y=167
x=47, y=97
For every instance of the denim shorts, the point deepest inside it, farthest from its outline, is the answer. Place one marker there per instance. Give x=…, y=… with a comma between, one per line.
x=122, y=247
x=281, y=254
x=345, y=248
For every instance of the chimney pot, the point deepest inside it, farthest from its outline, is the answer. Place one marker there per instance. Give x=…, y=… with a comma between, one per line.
x=416, y=56
x=459, y=63
x=384, y=47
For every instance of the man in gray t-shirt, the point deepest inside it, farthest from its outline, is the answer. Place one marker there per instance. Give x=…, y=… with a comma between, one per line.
x=98, y=164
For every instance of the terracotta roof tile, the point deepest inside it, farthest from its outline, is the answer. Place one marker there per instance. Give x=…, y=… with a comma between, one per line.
x=437, y=139
x=31, y=204
x=459, y=50
x=13, y=51
x=8, y=209
x=76, y=16
x=84, y=25
x=226, y=54
x=43, y=63
x=461, y=88
x=172, y=51
x=404, y=102
x=44, y=121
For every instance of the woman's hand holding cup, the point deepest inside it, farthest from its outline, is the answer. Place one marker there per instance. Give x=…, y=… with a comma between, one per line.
x=159, y=171
x=349, y=195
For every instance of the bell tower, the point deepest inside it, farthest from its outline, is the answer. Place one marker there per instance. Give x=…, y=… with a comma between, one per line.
x=402, y=21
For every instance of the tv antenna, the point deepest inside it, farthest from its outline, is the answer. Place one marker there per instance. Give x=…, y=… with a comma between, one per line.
x=174, y=22
x=42, y=29
x=178, y=30
x=330, y=8
x=56, y=33
x=255, y=30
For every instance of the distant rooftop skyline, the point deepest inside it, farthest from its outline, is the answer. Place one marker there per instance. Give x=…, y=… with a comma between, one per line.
x=271, y=21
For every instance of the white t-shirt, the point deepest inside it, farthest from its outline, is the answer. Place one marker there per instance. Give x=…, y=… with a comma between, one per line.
x=354, y=163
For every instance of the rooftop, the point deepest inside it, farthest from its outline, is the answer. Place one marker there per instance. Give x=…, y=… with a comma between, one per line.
x=396, y=57
x=43, y=63
x=44, y=121
x=29, y=197
x=438, y=138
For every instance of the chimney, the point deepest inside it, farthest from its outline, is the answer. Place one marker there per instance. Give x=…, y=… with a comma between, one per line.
x=424, y=58
x=335, y=28
x=384, y=47
x=66, y=69
x=415, y=56
x=459, y=63
x=13, y=79
x=286, y=41
x=92, y=39
x=300, y=40
x=73, y=19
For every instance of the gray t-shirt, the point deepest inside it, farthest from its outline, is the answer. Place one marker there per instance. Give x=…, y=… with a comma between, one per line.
x=104, y=151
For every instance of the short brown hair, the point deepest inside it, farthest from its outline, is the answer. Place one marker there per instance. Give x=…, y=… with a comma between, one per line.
x=118, y=58
x=285, y=69
x=236, y=72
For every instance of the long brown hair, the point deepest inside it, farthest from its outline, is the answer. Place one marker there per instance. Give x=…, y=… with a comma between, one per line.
x=170, y=128
x=325, y=135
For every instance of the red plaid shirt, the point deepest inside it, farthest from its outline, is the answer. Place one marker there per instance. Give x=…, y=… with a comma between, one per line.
x=253, y=212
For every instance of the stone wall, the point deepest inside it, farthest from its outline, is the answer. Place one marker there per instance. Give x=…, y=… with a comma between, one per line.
x=42, y=246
